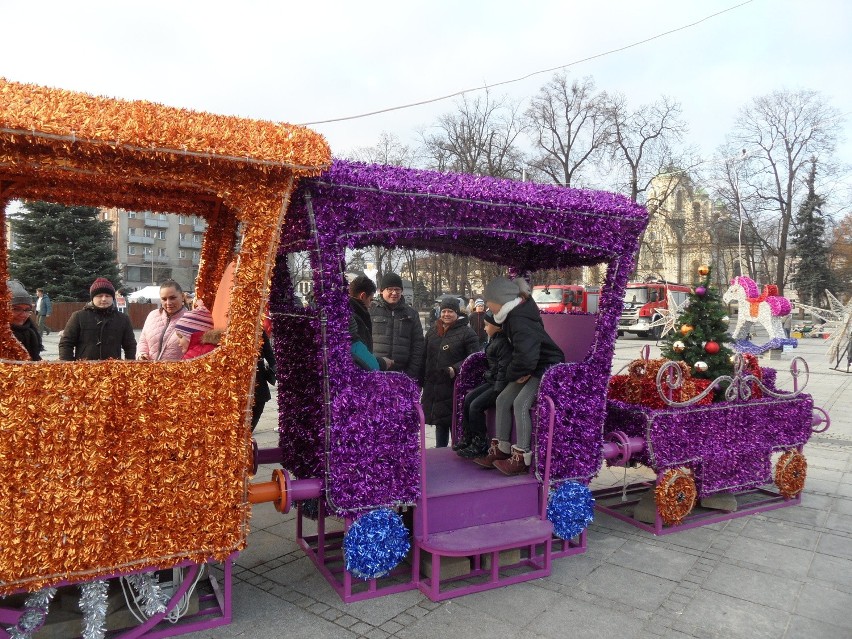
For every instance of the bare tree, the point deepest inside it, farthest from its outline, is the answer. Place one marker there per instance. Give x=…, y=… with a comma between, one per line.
x=480, y=138
x=388, y=150
x=643, y=142
x=780, y=132
x=568, y=125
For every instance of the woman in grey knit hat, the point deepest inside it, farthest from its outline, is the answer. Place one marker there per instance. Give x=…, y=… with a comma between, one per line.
x=533, y=351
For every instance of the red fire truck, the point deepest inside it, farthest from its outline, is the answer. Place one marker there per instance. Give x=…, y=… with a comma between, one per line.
x=641, y=301
x=564, y=298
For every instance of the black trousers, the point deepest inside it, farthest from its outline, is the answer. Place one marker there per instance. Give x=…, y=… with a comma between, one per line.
x=476, y=402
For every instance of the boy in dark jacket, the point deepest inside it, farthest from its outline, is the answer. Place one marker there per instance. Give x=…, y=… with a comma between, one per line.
x=98, y=330
x=498, y=350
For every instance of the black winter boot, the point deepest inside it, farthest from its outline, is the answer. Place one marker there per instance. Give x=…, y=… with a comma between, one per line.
x=478, y=448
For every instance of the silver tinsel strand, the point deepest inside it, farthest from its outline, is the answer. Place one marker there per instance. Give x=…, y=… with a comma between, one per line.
x=35, y=612
x=93, y=603
x=152, y=598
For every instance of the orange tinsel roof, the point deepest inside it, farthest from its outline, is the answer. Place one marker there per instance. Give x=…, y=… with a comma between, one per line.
x=145, y=127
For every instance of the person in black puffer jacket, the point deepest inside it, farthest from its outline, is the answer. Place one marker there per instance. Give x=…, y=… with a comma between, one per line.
x=397, y=331
x=448, y=343
x=533, y=352
x=98, y=330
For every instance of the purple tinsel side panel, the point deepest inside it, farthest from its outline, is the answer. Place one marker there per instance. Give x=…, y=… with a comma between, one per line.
x=374, y=449
x=578, y=392
x=728, y=445
x=470, y=376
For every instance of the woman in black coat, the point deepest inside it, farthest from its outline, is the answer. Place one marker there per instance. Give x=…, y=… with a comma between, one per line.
x=448, y=343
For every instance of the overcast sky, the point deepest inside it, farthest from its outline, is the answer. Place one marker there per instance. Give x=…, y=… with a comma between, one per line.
x=304, y=62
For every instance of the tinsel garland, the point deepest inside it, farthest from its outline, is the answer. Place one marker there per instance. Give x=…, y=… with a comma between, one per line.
x=35, y=611
x=151, y=597
x=375, y=544
x=93, y=604
x=571, y=508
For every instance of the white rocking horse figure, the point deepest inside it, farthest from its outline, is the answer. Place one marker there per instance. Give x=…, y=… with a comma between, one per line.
x=767, y=308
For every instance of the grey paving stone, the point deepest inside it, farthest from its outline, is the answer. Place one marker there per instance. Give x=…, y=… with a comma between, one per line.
x=734, y=618
x=584, y=620
x=668, y=563
x=835, y=545
x=361, y=628
x=807, y=628
x=293, y=573
x=571, y=570
x=793, y=562
x=844, y=489
x=264, y=547
x=826, y=605
x=381, y=610
x=376, y=633
x=755, y=586
x=801, y=514
x=841, y=505
x=839, y=523
x=645, y=591
x=832, y=570
x=391, y=627
x=779, y=532
x=471, y=624
x=518, y=604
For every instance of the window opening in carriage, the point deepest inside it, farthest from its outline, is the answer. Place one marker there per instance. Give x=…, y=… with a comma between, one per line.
x=63, y=249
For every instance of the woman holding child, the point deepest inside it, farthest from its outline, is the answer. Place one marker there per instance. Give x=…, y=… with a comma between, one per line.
x=533, y=351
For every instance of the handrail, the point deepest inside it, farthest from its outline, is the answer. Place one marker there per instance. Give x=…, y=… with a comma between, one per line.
x=551, y=420
x=421, y=510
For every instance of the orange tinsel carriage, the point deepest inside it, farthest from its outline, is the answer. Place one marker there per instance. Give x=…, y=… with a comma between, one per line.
x=169, y=491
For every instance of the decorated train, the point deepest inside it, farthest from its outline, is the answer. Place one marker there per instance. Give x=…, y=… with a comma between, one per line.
x=109, y=480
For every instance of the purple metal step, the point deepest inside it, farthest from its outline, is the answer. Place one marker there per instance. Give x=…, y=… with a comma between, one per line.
x=461, y=494
x=490, y=537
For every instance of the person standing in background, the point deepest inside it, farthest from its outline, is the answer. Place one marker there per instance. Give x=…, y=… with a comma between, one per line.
x=98, y=331
x=20, y=320
x=43, y=310
x=397, y=331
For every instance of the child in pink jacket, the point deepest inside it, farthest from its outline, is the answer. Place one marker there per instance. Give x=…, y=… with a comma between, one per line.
x=195, y=333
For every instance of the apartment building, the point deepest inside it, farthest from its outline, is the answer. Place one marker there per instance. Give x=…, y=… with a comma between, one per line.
x=151, y=247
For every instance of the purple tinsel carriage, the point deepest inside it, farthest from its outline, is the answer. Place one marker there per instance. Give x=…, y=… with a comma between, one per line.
x=360, y=434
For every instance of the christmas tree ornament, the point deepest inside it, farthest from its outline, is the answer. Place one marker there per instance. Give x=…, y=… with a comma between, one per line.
x=700, y=291
x=700, y=366
x=678, y=347
x=686, y=329
x=726, y=319
x=703, y=270
x=712, y=347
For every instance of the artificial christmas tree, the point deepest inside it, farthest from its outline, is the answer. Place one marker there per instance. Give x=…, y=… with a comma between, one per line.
x=700, y=337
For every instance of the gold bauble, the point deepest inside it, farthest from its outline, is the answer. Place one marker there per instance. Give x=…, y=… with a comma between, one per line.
x=703, y=270
x=686, y=329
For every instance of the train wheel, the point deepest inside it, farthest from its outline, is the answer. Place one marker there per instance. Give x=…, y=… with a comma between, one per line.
x=675, y=495
x=790, y=473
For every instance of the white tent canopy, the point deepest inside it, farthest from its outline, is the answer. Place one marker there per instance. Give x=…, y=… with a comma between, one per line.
x=149, y=293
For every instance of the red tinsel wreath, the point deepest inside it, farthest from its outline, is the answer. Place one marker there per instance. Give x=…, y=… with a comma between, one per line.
x=790, y=473
x=675, y=495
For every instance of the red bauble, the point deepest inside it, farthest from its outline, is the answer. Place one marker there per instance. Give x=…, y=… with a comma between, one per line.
x=712, y=347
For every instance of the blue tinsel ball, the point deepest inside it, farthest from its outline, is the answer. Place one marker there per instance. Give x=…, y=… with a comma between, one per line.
x=375, y=544
x=571, y=509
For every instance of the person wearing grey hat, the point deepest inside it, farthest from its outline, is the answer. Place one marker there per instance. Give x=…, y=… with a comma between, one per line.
x=397, y=331
x=21, y=322
x=448, y=343
x=533, y=352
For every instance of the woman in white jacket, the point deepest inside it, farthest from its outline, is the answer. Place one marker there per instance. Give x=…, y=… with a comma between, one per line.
x=158, y=341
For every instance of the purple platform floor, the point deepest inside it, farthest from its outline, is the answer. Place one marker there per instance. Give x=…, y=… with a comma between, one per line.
x=781, y=574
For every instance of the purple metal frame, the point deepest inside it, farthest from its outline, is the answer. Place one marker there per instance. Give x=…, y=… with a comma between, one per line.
x=215, y=609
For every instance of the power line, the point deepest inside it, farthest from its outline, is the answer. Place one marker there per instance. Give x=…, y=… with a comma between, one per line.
x=529, y=75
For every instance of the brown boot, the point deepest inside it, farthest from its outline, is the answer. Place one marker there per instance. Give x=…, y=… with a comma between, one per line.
x=516, y=465
x=494, y=454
